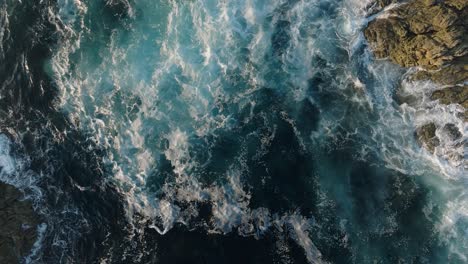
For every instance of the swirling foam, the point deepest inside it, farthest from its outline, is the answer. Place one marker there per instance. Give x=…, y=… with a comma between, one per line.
x=170, y=77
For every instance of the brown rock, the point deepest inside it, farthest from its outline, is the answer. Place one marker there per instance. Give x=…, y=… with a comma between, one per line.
x=379, y=39
x=455, y=73
x=432, y=35
x=429, y=34
x=422, y=17
x=423, y=33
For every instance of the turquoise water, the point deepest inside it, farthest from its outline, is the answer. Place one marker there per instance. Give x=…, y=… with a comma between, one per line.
x=263, y=120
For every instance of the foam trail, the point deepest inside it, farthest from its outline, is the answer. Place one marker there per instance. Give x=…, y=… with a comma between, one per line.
x=14, y=171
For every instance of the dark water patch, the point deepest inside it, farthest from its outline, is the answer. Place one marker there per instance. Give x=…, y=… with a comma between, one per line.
x=199, y=247
x=280, y=176
x=24, y=85
x=307, y=117
x=280, y=38
x=381, y=210
x=159, y=176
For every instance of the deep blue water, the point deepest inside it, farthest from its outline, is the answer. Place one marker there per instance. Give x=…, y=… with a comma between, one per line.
x=234, y=131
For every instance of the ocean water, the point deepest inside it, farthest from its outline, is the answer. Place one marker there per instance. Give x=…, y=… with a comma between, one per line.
x=228, y=131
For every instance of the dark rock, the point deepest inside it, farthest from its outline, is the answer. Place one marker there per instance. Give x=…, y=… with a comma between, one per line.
x=452, y=131
x=426, y=135
x=18, y=223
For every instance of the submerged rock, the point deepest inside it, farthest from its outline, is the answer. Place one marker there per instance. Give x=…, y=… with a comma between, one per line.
x=427, y=136
x=18, y=224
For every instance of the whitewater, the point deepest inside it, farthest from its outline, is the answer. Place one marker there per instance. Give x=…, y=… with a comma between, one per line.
x=261, y=129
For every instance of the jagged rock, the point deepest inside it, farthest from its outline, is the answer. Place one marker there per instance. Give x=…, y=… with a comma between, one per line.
x=18, y=224
x=458, y=4
x=452, y=131
x=426, y=135
x=421, y=33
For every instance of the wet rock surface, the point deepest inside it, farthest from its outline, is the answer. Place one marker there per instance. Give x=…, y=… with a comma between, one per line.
x=452, y=95
x=431, y=35
x=421, y=33
x=454, y=73
x=427, y=136
x=18, y=224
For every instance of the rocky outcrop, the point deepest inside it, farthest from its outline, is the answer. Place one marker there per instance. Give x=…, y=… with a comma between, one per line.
x=431, y=35
x=18, y=224
x=421, y=33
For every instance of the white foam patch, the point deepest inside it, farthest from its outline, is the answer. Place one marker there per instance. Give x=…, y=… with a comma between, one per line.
x=14, y=171
x=453, y=226
x=7, y=162
x=301, y=227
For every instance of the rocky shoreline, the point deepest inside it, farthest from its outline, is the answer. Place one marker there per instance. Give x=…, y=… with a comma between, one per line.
x=432, y=37
x=18, y=225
